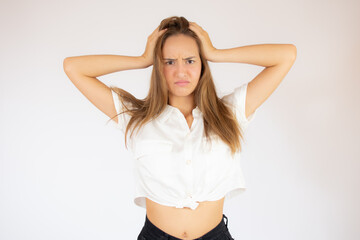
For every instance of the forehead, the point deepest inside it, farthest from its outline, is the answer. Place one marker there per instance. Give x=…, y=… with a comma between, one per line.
x=180, y=45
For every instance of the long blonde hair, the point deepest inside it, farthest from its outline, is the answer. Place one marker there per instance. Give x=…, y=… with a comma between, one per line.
x=218, y=117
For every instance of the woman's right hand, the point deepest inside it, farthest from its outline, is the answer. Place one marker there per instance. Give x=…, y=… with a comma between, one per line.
x=150, y=45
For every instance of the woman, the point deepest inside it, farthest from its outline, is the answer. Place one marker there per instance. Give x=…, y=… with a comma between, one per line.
x=187, y=142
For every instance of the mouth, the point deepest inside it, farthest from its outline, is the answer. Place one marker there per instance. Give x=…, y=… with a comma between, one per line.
x=182, y=83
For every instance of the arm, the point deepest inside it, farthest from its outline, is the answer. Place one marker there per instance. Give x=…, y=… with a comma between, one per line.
x=83, y=70
x=98, y=65
x=276, y=58
x=266, y=55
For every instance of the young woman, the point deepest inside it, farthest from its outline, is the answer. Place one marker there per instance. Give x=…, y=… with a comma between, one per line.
x=187, y=143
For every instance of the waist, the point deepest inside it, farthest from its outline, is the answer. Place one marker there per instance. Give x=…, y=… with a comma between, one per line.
x=180, y=222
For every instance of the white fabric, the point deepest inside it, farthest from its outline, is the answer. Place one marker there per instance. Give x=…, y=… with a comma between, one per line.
x=174, y=165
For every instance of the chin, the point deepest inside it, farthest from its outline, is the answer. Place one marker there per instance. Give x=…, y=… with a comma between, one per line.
x=181, y=92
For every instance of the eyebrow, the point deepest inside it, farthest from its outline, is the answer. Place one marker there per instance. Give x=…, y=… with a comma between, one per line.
x=183, y=58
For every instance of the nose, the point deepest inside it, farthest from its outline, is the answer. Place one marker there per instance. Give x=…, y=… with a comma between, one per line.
x=181, y=71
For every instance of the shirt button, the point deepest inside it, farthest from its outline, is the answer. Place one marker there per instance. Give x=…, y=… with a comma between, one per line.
x=188, y=162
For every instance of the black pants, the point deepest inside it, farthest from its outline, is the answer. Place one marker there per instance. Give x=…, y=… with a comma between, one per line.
x=151, y=232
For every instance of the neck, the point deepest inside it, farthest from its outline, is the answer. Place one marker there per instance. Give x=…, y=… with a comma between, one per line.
x=184, y=104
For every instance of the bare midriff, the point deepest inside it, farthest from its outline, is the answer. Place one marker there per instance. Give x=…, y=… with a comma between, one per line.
x=185, y=223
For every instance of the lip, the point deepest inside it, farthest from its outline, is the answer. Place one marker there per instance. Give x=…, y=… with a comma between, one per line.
x=182, y=83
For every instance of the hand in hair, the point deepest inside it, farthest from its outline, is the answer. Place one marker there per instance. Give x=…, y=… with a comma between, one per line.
x=150, y=45
x=209, y=49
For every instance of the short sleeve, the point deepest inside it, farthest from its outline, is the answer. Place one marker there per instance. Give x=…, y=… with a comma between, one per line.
x=237, y=100
x=124, y=118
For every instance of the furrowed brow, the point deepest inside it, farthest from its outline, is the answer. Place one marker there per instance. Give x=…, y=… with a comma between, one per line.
x=188, y=58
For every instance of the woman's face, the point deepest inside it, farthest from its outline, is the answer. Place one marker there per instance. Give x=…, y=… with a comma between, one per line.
x=181, y=63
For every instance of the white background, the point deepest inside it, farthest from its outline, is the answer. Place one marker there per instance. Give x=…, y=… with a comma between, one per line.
x=65, y=173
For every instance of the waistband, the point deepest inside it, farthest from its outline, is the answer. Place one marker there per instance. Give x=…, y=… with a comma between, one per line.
x=219, y=229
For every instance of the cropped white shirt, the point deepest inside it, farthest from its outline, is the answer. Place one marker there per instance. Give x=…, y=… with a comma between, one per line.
x=174, y=165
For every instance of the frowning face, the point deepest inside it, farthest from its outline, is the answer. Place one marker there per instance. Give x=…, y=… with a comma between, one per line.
x=182, y=65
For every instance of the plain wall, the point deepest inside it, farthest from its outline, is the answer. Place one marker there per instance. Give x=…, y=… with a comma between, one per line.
x=65, y=173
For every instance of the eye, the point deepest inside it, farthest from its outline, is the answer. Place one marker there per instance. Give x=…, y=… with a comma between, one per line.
x=170, y=62
x=191, y=61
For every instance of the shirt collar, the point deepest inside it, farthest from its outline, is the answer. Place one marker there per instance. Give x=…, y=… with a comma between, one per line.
x=170, y=110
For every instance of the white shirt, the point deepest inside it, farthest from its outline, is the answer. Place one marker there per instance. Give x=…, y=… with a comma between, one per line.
x=173, y=166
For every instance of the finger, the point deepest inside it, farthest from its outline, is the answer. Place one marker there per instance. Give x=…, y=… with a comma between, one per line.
x=194, y=24
x=154, y=32
x=161, y=32
x=157, y=29
x=195, y=27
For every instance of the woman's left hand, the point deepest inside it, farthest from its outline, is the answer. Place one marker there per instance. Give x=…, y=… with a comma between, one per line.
x=209, y=49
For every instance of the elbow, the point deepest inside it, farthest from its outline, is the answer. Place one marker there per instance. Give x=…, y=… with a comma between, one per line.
x=67, y=64
x=292, y=52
